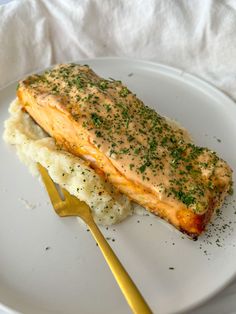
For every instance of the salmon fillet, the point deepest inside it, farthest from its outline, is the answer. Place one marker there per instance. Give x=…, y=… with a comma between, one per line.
x=140, y=152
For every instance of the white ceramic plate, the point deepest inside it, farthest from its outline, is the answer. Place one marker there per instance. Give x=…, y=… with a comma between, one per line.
x=52, y=265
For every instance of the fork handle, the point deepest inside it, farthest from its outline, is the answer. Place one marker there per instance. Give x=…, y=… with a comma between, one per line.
x=126, y=284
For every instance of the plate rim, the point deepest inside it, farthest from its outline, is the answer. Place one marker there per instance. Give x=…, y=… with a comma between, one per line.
x=188, y=79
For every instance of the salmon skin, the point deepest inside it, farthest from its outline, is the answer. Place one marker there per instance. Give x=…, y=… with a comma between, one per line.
x=141, y=153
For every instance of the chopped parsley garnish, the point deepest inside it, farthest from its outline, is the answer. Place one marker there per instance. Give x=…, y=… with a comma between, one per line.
x=103, y=85
x=153, y=145
x=131, y=166
x=130, y=138
x=98, y=133
x=143, y=168
x=124, y=92
x=108, y=107
x=124, y=151
x=187, y=198
x=78, y=82
x=97, y=120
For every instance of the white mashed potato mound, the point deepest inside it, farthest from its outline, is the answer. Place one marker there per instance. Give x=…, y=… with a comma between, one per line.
x=33, y=145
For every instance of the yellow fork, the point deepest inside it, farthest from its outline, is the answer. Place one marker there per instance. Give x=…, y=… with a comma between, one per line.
x=72, y=206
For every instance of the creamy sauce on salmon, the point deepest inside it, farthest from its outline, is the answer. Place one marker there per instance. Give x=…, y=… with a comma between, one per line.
x=142, y=145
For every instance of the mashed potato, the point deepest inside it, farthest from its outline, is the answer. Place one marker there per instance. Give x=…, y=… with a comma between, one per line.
x=34, y=145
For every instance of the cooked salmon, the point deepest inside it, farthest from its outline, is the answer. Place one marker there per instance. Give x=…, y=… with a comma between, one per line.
x=143, y=154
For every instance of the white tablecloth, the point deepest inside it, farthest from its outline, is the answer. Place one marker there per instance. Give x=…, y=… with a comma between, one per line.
x=198, y=36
